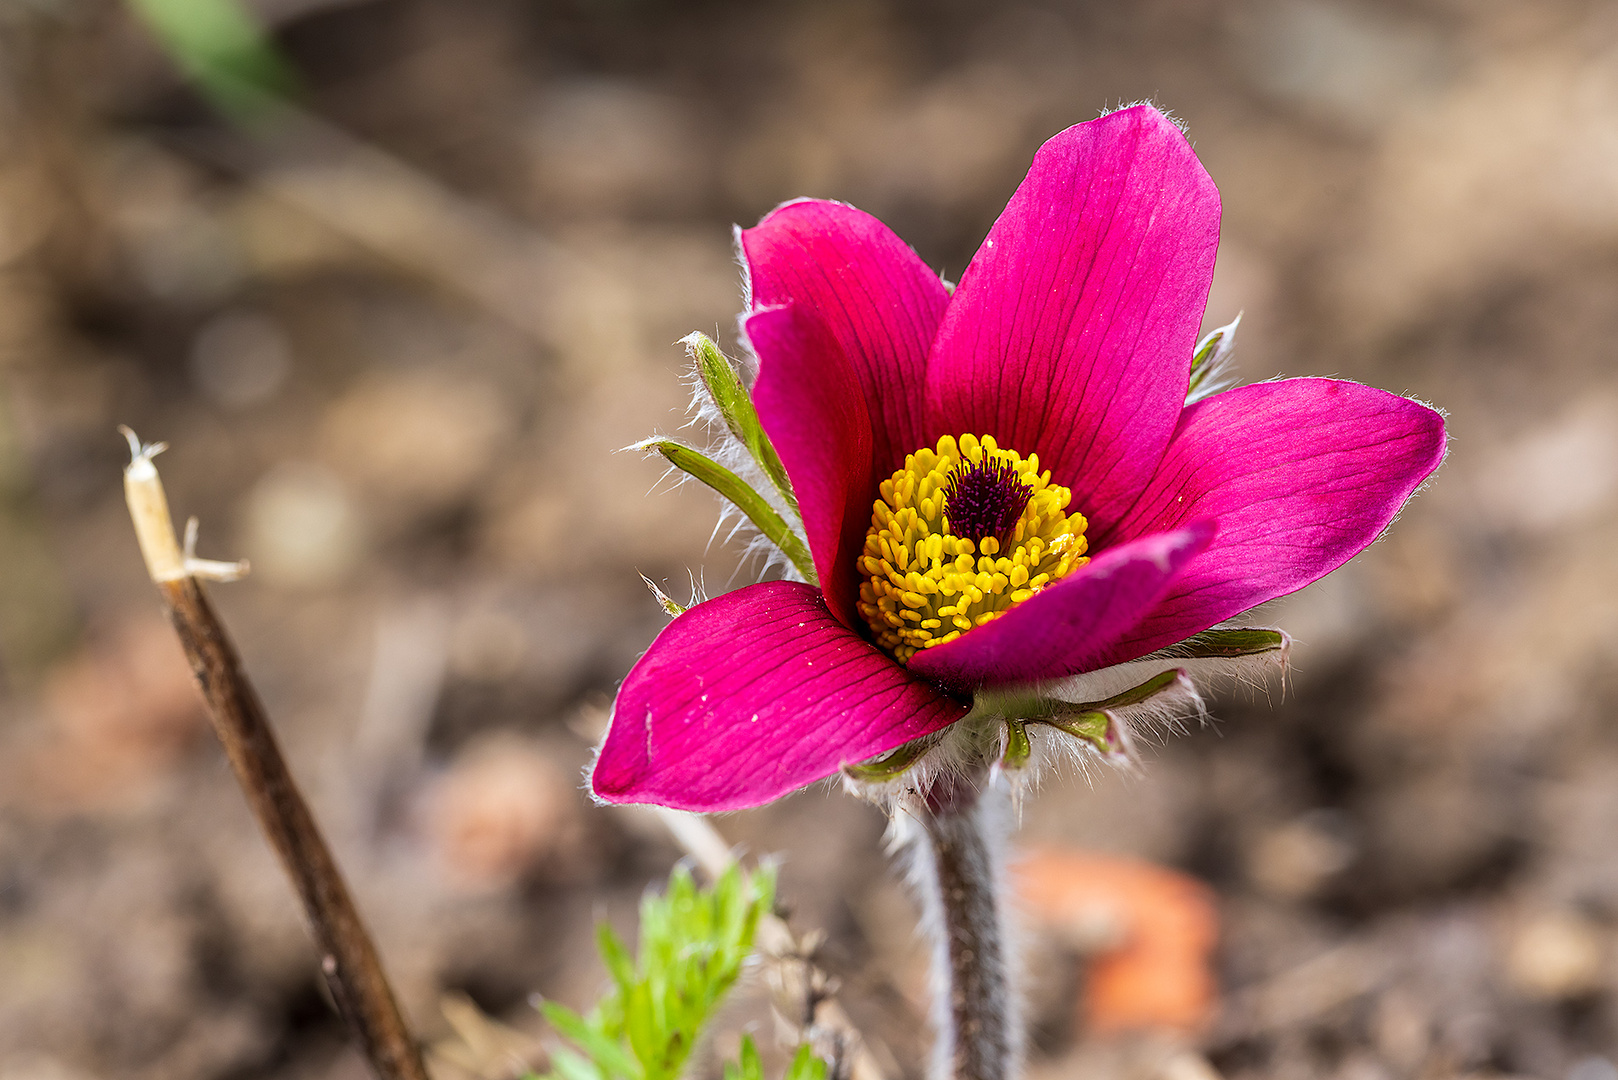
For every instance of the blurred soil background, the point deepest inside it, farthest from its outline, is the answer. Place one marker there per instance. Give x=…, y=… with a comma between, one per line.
x=395, y=344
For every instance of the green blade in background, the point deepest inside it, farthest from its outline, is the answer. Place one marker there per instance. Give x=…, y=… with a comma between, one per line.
x=222, y=49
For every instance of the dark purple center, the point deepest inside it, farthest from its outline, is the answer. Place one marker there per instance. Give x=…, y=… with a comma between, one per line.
x=984, y=500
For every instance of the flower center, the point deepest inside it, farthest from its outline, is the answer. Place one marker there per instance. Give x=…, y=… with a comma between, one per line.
x=984, y=499
x=960, y=534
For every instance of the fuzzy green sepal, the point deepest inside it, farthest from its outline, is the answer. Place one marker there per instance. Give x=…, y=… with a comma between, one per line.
x=742, y=495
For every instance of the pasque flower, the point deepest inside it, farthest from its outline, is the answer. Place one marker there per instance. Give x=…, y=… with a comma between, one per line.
x=1000, y=484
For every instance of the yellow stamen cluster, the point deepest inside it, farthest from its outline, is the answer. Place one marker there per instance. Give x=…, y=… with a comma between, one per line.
x=924, y=584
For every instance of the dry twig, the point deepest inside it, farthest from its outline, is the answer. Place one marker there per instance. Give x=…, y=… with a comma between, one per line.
x=348, y=958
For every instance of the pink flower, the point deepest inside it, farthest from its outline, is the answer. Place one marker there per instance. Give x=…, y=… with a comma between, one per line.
x=1070, y=337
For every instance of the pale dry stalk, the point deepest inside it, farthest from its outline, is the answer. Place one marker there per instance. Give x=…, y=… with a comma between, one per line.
x=349, y=959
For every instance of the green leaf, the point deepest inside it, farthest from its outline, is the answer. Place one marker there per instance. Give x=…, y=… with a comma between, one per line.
x=643, y=1030
x=718, y=374
x=1229, y=642
x=750, y=1067
x=570, y=1066
x=221, y=47
x=750, y=1059
x=741, y=493
x=693, y=943
x=806, y=1065
x=894, y=763
x=751, y=1063
x=616, y=957
x=607, y=1054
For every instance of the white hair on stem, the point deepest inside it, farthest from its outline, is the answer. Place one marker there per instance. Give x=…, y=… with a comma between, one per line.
x=954, y=865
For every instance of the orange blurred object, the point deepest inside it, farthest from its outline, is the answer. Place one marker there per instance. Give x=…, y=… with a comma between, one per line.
x=123, y=710
x=1150, y=933
x=502, y=807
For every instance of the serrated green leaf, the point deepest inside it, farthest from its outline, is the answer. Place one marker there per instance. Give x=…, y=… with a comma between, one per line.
x=735, y=405
x=693, y=942
x=742, y=495
x=1230, y=642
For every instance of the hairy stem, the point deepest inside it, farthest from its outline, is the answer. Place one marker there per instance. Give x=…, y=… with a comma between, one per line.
x=957, y=873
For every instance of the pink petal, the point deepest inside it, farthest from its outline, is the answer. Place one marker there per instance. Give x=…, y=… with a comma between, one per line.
x=874, y=294
x=752, y=695
x=1072, y=330
x=810, y=404
x=1301, y=475
x=1067, y=628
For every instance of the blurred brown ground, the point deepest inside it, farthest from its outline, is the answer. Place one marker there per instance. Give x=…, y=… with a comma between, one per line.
x=394, y=350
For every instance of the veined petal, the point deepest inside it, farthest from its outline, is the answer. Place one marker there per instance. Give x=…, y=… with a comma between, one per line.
x=875, y=295
x=1301, y=475
x=754, y=694
x=810, y=403
x=1067, y=628
x=1072, y=330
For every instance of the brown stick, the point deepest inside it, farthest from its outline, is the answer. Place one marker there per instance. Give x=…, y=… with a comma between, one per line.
x=349, y=960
